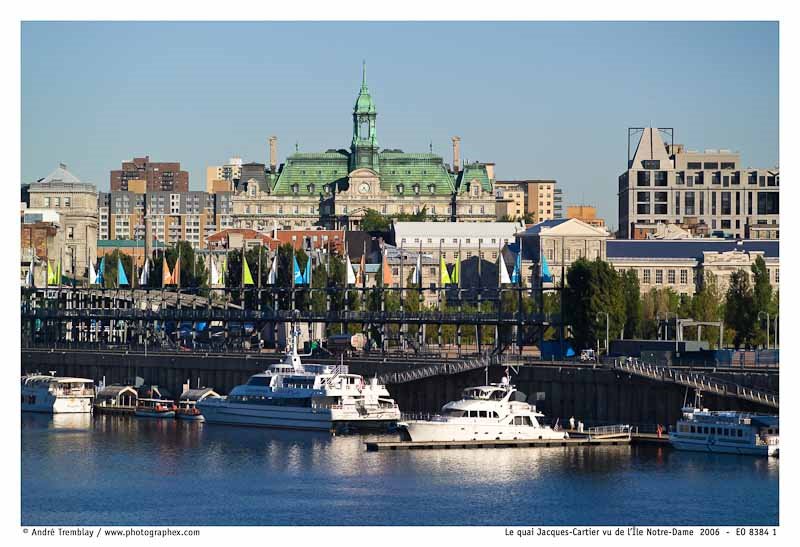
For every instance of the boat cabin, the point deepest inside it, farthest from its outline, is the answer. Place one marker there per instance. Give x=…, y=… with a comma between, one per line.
x=117, y=396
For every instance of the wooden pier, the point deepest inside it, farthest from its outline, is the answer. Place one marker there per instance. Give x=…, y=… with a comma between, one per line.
x=379, y=446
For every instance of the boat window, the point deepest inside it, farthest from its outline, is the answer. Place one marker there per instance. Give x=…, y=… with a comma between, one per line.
x=258, y=381
x=454, y=413
x=705, y=430
x=497, y=395
x=692, y=429
x=494, y=415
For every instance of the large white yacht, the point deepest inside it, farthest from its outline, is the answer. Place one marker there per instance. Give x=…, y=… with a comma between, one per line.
x=303, y=396
x=490, y=412
x=729, y=432
x=55, y=395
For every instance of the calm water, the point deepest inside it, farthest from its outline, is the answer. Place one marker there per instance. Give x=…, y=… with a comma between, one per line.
x=107, y=470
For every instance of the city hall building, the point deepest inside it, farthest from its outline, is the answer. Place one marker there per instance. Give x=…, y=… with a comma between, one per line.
x=337, y=187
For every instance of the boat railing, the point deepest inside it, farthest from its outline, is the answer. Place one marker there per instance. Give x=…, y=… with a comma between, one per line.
x=422, y=417
x=609, y=430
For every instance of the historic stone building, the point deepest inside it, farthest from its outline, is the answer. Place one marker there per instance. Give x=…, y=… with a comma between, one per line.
x=336, y=188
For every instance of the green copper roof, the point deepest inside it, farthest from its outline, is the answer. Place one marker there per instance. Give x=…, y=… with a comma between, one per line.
x=474, y=171
x=364, y=102
x=426, y=170
x=310, y=172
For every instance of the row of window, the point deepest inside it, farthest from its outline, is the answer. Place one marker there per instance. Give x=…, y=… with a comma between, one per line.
x=660, y=178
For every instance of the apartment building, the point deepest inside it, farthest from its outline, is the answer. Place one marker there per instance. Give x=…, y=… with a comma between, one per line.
x=141, y=175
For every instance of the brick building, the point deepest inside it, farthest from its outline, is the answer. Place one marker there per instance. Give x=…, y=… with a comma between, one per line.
x=141, y=175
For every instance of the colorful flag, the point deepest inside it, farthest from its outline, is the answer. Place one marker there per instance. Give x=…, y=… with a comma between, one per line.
x=501, y=266
x=547, y=277
x=122, y=279
x=516, y=274
x=223, y=270
x=247, y=277
x=307, y=274
x=92, y=274
x=214, y=272
x=387, y=272
x=417, y=277
x=176, y=272
x=166, y=276
x=456, y=277
x=272, y=277
x=144, y=277
x=101, y=271
x=297, y=275
x=351, y=276
x=444, y=276
x=29, y=276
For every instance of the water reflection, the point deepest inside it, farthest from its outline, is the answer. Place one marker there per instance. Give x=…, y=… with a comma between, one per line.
x=107, y=467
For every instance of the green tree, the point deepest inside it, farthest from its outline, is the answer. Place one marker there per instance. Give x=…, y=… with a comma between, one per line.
x=373, y=221
x=740, y=312
x=110, y=269
x=707, y=305
x=593, y=289
x=633, y=304
x=762, y=299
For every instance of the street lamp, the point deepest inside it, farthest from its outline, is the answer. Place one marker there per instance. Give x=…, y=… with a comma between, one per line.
x=596, y=319
x=759, y=317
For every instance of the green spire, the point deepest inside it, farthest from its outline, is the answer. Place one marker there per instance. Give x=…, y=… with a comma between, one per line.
x=364, y=103
x=364, y=75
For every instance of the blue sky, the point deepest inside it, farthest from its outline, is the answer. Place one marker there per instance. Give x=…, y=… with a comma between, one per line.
x=541, y=100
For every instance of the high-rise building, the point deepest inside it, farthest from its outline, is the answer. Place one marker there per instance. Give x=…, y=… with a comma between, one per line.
x=141, y=175
x=538, y=199
x=708, y=192
x=223, y=178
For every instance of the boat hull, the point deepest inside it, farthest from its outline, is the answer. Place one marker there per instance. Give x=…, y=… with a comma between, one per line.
x=190, y=417
x=427, y=431
x=280, y=417
x=702, y=445
x=58, y=405
x=153, y=414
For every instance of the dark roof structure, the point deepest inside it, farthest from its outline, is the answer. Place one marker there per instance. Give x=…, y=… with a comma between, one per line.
x=686, y=248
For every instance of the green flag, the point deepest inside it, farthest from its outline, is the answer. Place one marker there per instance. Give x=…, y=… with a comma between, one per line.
x=247, y=278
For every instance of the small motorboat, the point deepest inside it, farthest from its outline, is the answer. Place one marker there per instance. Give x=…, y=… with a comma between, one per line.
x=155, y=408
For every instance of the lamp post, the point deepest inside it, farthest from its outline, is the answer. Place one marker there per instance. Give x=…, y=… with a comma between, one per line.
x=759, y=317
x=596, y=319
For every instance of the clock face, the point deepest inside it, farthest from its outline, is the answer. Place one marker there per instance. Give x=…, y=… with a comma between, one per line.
x=363, y=188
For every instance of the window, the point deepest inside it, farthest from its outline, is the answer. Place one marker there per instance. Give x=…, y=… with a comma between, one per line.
x=643, y=178
x=47, y=202
x=671, y=277
x=725, y=203
x=710, y=165
x=727, y=165
x=57, y=202
x=660, y=206
x=684, y=277
x=693, y=165
x=70, y=232
x=767, y=203
x=66, y=202
x=677, y=203
x=659, y=277
x=702, y=203
x=689, y=203
x=660, y=178
x=646, y=276
x=738, y=202
x=651, y=164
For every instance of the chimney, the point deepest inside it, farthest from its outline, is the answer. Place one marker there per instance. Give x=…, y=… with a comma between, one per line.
x=456, y=154
x=273, y=153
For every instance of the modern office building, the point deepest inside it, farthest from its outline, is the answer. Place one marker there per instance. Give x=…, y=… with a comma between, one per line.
x=141, y=175
x=708, y=193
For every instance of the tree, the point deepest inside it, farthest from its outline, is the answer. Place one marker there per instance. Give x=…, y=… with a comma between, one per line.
x=762, y=298
x=707, y=306
x=740, y=312
x=593, y=288
x=110, y=269
x=373, y=221
x=633, y=304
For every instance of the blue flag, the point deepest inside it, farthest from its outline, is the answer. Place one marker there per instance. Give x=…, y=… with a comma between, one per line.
x=298, y=276
x=307, y=274
x=101, y=271
x=547, y=277
x=122, y=279
x=516, y=275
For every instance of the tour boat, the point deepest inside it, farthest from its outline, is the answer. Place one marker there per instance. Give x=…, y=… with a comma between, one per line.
x=187, y=410
x=155, y=408
x=56, y=395
x=489, y=412
x=728, y=432
x=295, y=395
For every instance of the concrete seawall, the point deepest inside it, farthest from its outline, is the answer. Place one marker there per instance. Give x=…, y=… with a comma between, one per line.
x=596, y=395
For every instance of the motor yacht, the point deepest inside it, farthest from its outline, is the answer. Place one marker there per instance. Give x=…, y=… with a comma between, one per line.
x=297, y=395
x=55, y=394
x=488, y=412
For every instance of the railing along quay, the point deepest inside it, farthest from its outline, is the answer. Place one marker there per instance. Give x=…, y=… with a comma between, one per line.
x=697, y=381
x=438, y=369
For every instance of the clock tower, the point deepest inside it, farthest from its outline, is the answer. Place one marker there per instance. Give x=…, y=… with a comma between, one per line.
x=364, y=146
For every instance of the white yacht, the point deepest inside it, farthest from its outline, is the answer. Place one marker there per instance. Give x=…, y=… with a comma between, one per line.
x=303, y=396
x=490, y=412
x=728, y=432
x=55, y=395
